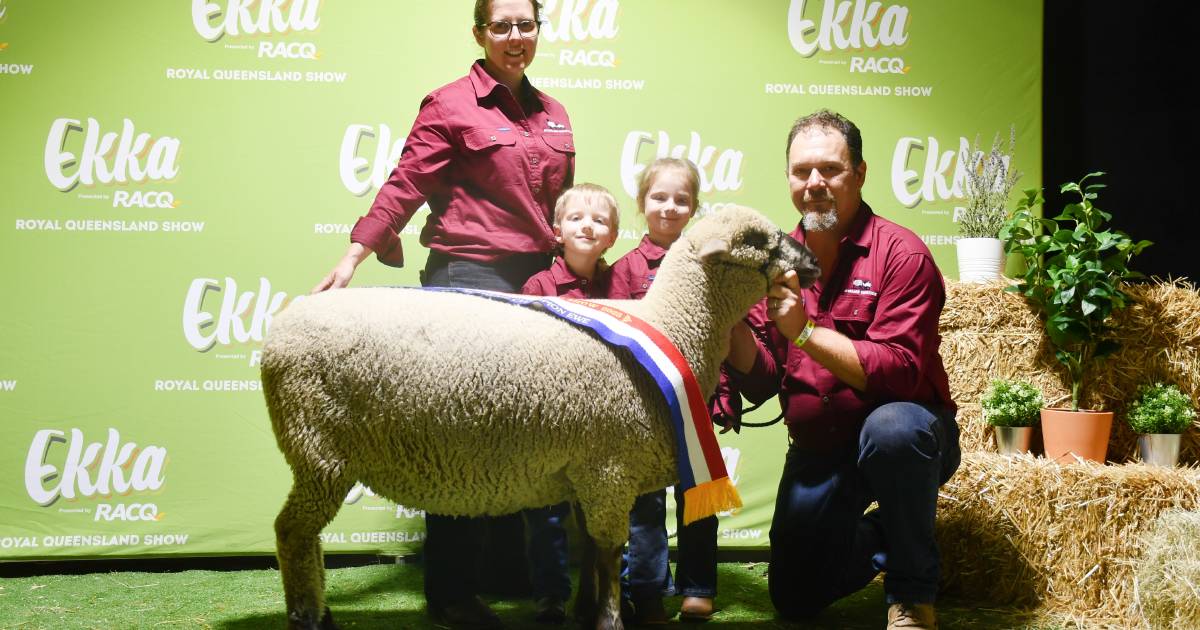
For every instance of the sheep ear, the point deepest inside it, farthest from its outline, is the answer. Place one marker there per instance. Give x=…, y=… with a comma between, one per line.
x=714, y=247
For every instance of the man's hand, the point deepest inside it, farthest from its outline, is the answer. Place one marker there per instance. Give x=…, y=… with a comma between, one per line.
x=785, y=306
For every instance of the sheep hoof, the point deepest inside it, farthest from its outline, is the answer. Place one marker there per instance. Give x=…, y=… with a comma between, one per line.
x=297, y=621
x=327, y=622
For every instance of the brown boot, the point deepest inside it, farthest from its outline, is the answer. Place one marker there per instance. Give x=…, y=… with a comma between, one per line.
x=912, y=617
x=696, y=609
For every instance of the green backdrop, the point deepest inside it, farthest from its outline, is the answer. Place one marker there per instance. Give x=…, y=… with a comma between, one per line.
x=173, y=173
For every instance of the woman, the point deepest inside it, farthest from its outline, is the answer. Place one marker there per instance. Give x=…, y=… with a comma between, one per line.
x=490, y=154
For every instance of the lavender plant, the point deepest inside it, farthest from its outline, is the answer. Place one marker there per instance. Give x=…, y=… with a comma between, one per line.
x=990, y=180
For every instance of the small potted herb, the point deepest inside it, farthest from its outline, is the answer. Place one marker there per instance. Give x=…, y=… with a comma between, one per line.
x=1159, y=415
x=1012, y=408
x=1075, y=268
x=989, y=182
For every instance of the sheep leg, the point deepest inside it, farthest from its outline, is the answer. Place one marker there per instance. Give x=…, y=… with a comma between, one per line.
x=310, y=506
x=585, y=601
x=608, y=570
x=607, y=531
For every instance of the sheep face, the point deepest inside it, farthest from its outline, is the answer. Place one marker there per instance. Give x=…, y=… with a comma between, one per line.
x=742, y=237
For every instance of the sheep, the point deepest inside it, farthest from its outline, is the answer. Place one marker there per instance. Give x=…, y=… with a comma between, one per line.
x=466, y=406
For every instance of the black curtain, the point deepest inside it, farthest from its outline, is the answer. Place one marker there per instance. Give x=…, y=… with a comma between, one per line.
x=1117, y=98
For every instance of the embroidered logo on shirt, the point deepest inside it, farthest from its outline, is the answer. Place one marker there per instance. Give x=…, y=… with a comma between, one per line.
x=553, y=127
x=860, y=287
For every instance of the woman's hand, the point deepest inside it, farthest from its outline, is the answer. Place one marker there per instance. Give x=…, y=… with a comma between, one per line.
x=344, y=270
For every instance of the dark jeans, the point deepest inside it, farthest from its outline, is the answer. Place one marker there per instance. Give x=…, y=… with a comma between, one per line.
x=548, y=551
x=822, y=545
x=647, y=574
x=455, y=545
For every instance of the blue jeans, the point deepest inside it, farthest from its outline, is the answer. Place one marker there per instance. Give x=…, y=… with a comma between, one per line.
x=454, y=545
x=647, y=574
x=548, y=552
x=822, y=545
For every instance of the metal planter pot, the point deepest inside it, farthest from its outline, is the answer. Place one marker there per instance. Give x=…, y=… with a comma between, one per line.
x=1013, y=440
x=1159, y=449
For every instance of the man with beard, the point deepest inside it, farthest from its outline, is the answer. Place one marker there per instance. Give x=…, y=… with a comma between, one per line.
x=854, y=360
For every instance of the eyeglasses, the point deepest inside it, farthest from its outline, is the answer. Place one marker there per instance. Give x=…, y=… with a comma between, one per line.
x=527, y=28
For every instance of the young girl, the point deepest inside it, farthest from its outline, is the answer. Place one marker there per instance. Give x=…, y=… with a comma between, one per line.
x=585, y=225
x=667, y=196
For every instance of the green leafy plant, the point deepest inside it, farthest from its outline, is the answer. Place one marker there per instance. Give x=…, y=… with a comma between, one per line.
x=1161, y=409
x=1011, y=404
x=1073, y=274
x=990, y=180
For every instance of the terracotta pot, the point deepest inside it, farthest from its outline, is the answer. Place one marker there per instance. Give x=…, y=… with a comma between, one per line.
x=1067, y=433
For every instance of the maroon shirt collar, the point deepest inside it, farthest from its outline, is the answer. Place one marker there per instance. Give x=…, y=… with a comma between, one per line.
x=485, y=86
x=650, y=251
x=563, y=277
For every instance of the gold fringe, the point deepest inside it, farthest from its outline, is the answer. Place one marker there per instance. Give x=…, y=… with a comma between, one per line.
x=708, y=498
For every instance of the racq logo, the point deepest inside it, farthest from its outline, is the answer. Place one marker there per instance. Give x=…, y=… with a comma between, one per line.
x=720, y=170
x=358, y=174
x=57, y=466
x=850, y=25
x=89, y=156
x=567, y=21
x=214, y=20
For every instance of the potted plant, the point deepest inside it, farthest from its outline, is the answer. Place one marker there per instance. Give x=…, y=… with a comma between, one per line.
x=989, y=182
x=1073, y=275
x=1158, y=416
x=1012, y=408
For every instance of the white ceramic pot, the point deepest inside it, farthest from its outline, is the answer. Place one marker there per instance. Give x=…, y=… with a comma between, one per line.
x=980, y=259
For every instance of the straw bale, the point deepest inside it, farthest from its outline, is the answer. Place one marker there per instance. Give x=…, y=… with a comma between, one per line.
x=1025, y=531
x=988, y=333
x=1168, y=575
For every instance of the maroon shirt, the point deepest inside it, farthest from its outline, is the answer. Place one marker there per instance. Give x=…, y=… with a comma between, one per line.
x=490, y=172
x=560, y=281
x=633, y=274
x=886, y=294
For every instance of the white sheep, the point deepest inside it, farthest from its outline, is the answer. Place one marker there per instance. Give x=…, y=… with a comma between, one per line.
x=466, y=406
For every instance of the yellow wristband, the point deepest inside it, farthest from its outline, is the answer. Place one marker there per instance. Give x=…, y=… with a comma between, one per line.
x=805, y=334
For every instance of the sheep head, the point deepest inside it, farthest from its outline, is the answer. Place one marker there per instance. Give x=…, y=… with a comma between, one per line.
x=740, y=237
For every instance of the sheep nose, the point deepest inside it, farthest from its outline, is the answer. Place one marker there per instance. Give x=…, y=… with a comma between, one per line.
x=800, y=258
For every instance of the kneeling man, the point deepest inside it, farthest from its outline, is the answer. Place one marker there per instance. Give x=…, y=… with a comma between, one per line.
x=854, y=360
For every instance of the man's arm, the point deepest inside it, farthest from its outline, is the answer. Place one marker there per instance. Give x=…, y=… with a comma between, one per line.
x=833, y=350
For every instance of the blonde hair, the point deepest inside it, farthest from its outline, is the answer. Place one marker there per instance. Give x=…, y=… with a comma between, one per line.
x=658, y=166
x=589, y=195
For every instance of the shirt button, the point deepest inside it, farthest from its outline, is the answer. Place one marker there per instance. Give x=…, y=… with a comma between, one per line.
x=492, y=138
x=525, y=133
x=567, y=145
x=533, y=160
x=645, y=285
x=856, y=311
x=825, y=399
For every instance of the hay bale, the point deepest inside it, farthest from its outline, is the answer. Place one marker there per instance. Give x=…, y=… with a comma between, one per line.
x=989, y=333
x=1024, y=531
x=1168, y=575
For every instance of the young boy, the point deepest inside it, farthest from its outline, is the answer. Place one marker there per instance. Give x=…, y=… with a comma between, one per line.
x=585, y=224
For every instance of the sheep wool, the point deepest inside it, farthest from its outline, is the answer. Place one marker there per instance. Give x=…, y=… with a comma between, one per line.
x=466, y=406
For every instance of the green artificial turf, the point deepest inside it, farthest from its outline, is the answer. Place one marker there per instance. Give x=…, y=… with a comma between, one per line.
x=380, y=596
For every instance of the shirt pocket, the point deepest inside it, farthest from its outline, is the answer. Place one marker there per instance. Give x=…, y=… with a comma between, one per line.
x=563, y=143
x=853, y=314
x=484, y=139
